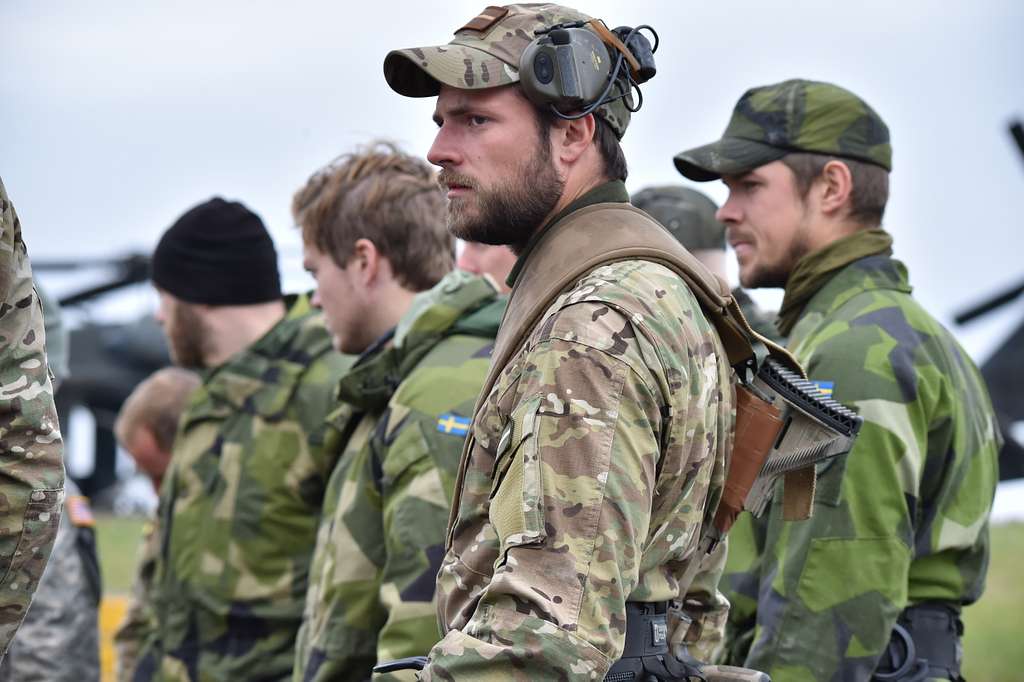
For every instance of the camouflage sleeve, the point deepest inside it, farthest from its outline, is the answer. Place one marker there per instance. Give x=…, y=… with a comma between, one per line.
x=575, y=485
x=59, y=638
x=816, y=618
x=707, y=608
x=30, y=443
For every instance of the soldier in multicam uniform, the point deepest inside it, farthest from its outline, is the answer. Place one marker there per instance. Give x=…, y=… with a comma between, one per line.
x=30, y=442
x=690, y=216
x=598, y=448
x=898, y=542
x=146, y=427
x=374, y=235
x=59, y=638
x=239, y=505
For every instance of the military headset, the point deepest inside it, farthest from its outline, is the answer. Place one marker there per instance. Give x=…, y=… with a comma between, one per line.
x=569, y=69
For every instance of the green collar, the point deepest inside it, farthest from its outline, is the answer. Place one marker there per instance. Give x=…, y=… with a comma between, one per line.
x=609, y=192
x=434, y=314
x=814, y=270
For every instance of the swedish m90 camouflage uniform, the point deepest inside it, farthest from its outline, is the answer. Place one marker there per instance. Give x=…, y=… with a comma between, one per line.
x=30, y=442
x=402, y=424
x=594, y=459
x=902, y=519
x=239, y=508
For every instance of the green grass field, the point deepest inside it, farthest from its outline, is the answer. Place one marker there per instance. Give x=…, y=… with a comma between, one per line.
x=992, y=643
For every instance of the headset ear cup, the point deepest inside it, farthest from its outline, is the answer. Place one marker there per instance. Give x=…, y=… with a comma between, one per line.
x=565, y=68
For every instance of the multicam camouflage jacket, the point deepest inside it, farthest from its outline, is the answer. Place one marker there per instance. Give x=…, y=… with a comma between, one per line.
x=59, y=640
x=31, y=452
x=402, y=425
x=593, y=461
x=902, y=519
x=239, y=508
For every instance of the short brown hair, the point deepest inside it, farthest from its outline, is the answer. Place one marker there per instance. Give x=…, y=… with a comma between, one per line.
x=157, y=403
x=870, y=183
x=388, y=197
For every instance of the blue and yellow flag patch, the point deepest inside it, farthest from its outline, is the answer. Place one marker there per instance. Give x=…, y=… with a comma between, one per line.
x=453, y=424
x=825, y=387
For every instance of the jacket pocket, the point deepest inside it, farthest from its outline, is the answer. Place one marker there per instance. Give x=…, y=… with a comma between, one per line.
x=517, y=494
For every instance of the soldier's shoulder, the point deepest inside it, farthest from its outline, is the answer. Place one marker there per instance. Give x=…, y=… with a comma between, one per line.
x=648, y=297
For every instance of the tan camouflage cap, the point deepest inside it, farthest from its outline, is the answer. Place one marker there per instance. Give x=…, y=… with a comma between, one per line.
x=688, y=214
x=485, y=54
x=793, y=116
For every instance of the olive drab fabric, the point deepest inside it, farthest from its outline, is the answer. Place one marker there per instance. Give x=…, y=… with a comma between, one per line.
x=31, y=449
x=239, y=508
x=404, y=417
x=595, y=460
x=485, y=53
x=903, y=518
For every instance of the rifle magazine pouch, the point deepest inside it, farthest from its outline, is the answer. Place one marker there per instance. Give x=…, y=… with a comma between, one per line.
x=758, y=423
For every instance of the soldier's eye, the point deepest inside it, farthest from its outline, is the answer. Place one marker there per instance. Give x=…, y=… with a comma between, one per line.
x=478, y=120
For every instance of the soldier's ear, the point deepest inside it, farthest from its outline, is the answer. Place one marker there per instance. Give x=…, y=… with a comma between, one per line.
x=835, y=188
x=573, y=138
x=365, y=261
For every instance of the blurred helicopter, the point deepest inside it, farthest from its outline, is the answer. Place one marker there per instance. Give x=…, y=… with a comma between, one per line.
x=1004, y=369
x=106, y=360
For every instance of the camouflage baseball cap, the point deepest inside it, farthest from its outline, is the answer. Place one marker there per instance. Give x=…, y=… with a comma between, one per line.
x=688, y=214
x=485, y=54
x=793, y=116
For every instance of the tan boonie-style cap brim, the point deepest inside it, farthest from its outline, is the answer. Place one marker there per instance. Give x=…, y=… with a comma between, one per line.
x=727, y=156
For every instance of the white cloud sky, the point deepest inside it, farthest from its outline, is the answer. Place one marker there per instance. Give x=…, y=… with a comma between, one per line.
x=115, y=117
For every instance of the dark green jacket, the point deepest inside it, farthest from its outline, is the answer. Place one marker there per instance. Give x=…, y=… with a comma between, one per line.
x=401, y=427
x=239, y=508
x=900, y=520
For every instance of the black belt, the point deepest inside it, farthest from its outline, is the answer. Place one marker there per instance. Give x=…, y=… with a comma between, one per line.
x=925, y=643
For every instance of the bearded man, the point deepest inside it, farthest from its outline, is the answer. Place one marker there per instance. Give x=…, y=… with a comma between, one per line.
x=240, y=500
x=598, y=446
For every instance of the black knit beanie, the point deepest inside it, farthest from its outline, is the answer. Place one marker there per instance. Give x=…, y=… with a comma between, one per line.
x=218, y=253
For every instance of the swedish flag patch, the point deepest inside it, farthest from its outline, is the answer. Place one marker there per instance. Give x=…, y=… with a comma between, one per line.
x=825, y=387
x=453, y=424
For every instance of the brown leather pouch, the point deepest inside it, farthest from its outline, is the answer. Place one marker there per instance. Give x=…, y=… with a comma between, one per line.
x=757, y=426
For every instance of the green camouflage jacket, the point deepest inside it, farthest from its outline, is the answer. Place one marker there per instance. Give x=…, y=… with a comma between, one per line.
x=138, y=617
x=595, y=458
x=31, y=487
x=902, y=519
x=239, y=508
x=402, y=425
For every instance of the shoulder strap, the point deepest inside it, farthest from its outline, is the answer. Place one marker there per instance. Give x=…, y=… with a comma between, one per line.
x=606, y=233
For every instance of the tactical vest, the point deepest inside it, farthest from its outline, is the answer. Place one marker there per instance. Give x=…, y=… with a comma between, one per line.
x=606, y=233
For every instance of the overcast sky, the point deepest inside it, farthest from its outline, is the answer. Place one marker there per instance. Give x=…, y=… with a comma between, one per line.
x=115, y=117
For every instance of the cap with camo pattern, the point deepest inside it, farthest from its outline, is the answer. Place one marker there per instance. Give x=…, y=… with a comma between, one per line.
x=793, y=116
x=485, y=54
x=688, y=214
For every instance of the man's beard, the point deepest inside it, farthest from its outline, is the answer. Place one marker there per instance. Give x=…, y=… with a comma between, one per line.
x=189, y=338
x=510, y=211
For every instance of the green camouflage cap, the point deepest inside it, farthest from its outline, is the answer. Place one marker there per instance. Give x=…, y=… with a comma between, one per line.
x=793, y=116
x=688, y=214
x=485, y=54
